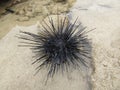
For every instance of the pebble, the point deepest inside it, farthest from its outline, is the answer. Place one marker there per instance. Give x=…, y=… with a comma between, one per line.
x=21, y=12
x=38, y=9
x=63, y=9
x=29, y=8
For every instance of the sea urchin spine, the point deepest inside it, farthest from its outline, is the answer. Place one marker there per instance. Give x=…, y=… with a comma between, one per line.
x=58, y=46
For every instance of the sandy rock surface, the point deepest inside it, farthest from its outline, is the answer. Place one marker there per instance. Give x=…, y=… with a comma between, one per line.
x=104, y=16
x=17, y=74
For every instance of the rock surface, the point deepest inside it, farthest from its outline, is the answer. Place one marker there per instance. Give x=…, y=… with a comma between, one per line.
x=17, y=74
x=104, y=16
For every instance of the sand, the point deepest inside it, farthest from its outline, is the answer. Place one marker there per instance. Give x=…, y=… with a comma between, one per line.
x=16, y=72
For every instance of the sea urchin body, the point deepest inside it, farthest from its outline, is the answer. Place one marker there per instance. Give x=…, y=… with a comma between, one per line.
x=58, y=46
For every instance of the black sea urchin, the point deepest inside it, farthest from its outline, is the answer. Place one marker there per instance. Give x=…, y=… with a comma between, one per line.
x=59, y=46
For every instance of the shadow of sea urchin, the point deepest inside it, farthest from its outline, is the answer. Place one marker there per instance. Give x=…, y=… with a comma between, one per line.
x=59, y=46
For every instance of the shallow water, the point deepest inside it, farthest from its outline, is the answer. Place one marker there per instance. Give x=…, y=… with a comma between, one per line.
x=17, y=74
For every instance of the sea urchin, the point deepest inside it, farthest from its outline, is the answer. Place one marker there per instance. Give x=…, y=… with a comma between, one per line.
x=58, y=46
